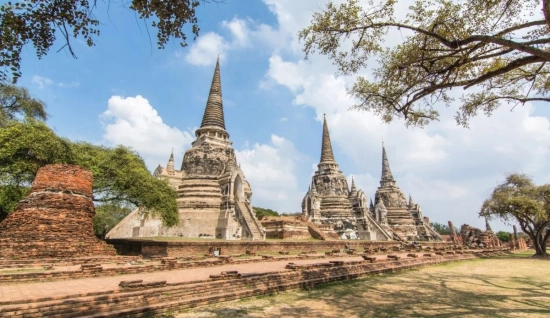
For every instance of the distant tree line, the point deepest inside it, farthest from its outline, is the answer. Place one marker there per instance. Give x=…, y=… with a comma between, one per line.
x=442, y=228
x=262, y=213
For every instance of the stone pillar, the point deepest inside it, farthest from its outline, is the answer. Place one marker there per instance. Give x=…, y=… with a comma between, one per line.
x=511, y=241
x=454, y=237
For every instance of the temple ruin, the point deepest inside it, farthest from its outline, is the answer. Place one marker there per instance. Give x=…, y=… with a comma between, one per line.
x=472, y=236
x=55, y=219
x=214, y=198
x=391, y=207
x=335, y=207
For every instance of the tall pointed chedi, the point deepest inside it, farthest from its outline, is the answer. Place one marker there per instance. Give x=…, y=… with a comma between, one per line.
x=404, y=218
x=393, y=199
x=214, y=198
x=340, y=211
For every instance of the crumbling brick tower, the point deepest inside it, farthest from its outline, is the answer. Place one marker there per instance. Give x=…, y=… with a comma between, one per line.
x=55, y=219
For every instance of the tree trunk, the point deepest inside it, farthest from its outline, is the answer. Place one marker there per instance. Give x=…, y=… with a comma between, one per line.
x=546, y=11
x=539, y=243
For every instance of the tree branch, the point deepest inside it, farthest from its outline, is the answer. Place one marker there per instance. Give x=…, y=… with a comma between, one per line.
x=509, y=67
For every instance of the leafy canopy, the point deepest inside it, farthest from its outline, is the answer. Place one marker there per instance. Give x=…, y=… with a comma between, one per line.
x=107, y=216
x=120, y=175
x=41, y=22
x=495, y=50
x=519, y=199
x=16, y=101
x=503, y=236
x=442, y=228
x=262, y=213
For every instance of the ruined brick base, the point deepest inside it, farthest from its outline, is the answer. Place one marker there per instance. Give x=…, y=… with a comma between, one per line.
x=55, y=219
x=186, y=248
x=143, y=298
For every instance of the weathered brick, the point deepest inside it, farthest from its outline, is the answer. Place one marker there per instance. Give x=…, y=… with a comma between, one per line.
x=55, y=219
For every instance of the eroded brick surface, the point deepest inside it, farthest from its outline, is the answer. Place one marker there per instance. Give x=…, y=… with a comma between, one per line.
x=55, y=219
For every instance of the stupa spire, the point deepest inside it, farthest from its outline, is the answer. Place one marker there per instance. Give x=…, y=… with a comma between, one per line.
x=170, y=165
x=213, y=113
x=387, y=177
x=326, y=147
x=353, y=188
x=411, y=202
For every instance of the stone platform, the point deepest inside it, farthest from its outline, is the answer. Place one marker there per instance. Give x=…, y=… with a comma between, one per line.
x=171, y=248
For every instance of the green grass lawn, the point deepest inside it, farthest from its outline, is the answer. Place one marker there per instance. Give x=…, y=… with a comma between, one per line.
x=513, y=285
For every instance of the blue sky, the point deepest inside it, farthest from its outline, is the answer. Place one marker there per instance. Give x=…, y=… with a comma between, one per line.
x=125, y=91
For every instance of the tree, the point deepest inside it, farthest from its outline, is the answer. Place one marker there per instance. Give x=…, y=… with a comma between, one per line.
x=518, y=199
x=16, y=101
x=503, y=236
x=495, y=50
x=40, y=22
x=107, y=216
x=262, y=213
x=120, y=175
x=440, y=228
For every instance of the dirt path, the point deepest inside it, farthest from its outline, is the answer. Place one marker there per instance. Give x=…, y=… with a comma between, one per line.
x=23, y=291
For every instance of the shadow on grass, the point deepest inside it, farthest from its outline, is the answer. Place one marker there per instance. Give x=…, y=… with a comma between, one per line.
x=478, y=288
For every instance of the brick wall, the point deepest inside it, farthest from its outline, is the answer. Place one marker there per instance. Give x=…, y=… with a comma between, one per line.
x=182, y=249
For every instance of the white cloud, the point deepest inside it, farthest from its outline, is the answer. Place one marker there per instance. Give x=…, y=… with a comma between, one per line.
x=449, y=170
x=68, y=85
x=133, y=122
x=283, y=119
x=239, y=31
x=205, y=51
x=44, y=82
x=270, y=170
x=41, y=81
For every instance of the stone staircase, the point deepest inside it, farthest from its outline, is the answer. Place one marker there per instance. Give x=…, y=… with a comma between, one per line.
x=147, y=299
x=315, y=231
x=251, y=222
x=430, y=232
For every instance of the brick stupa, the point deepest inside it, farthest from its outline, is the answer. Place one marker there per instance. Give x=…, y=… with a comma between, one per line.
x=55, y=219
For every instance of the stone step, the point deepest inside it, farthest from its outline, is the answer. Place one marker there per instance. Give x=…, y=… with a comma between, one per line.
x=252, y=225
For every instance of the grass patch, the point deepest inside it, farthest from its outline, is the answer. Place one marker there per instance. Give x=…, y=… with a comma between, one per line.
x=517, y=286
